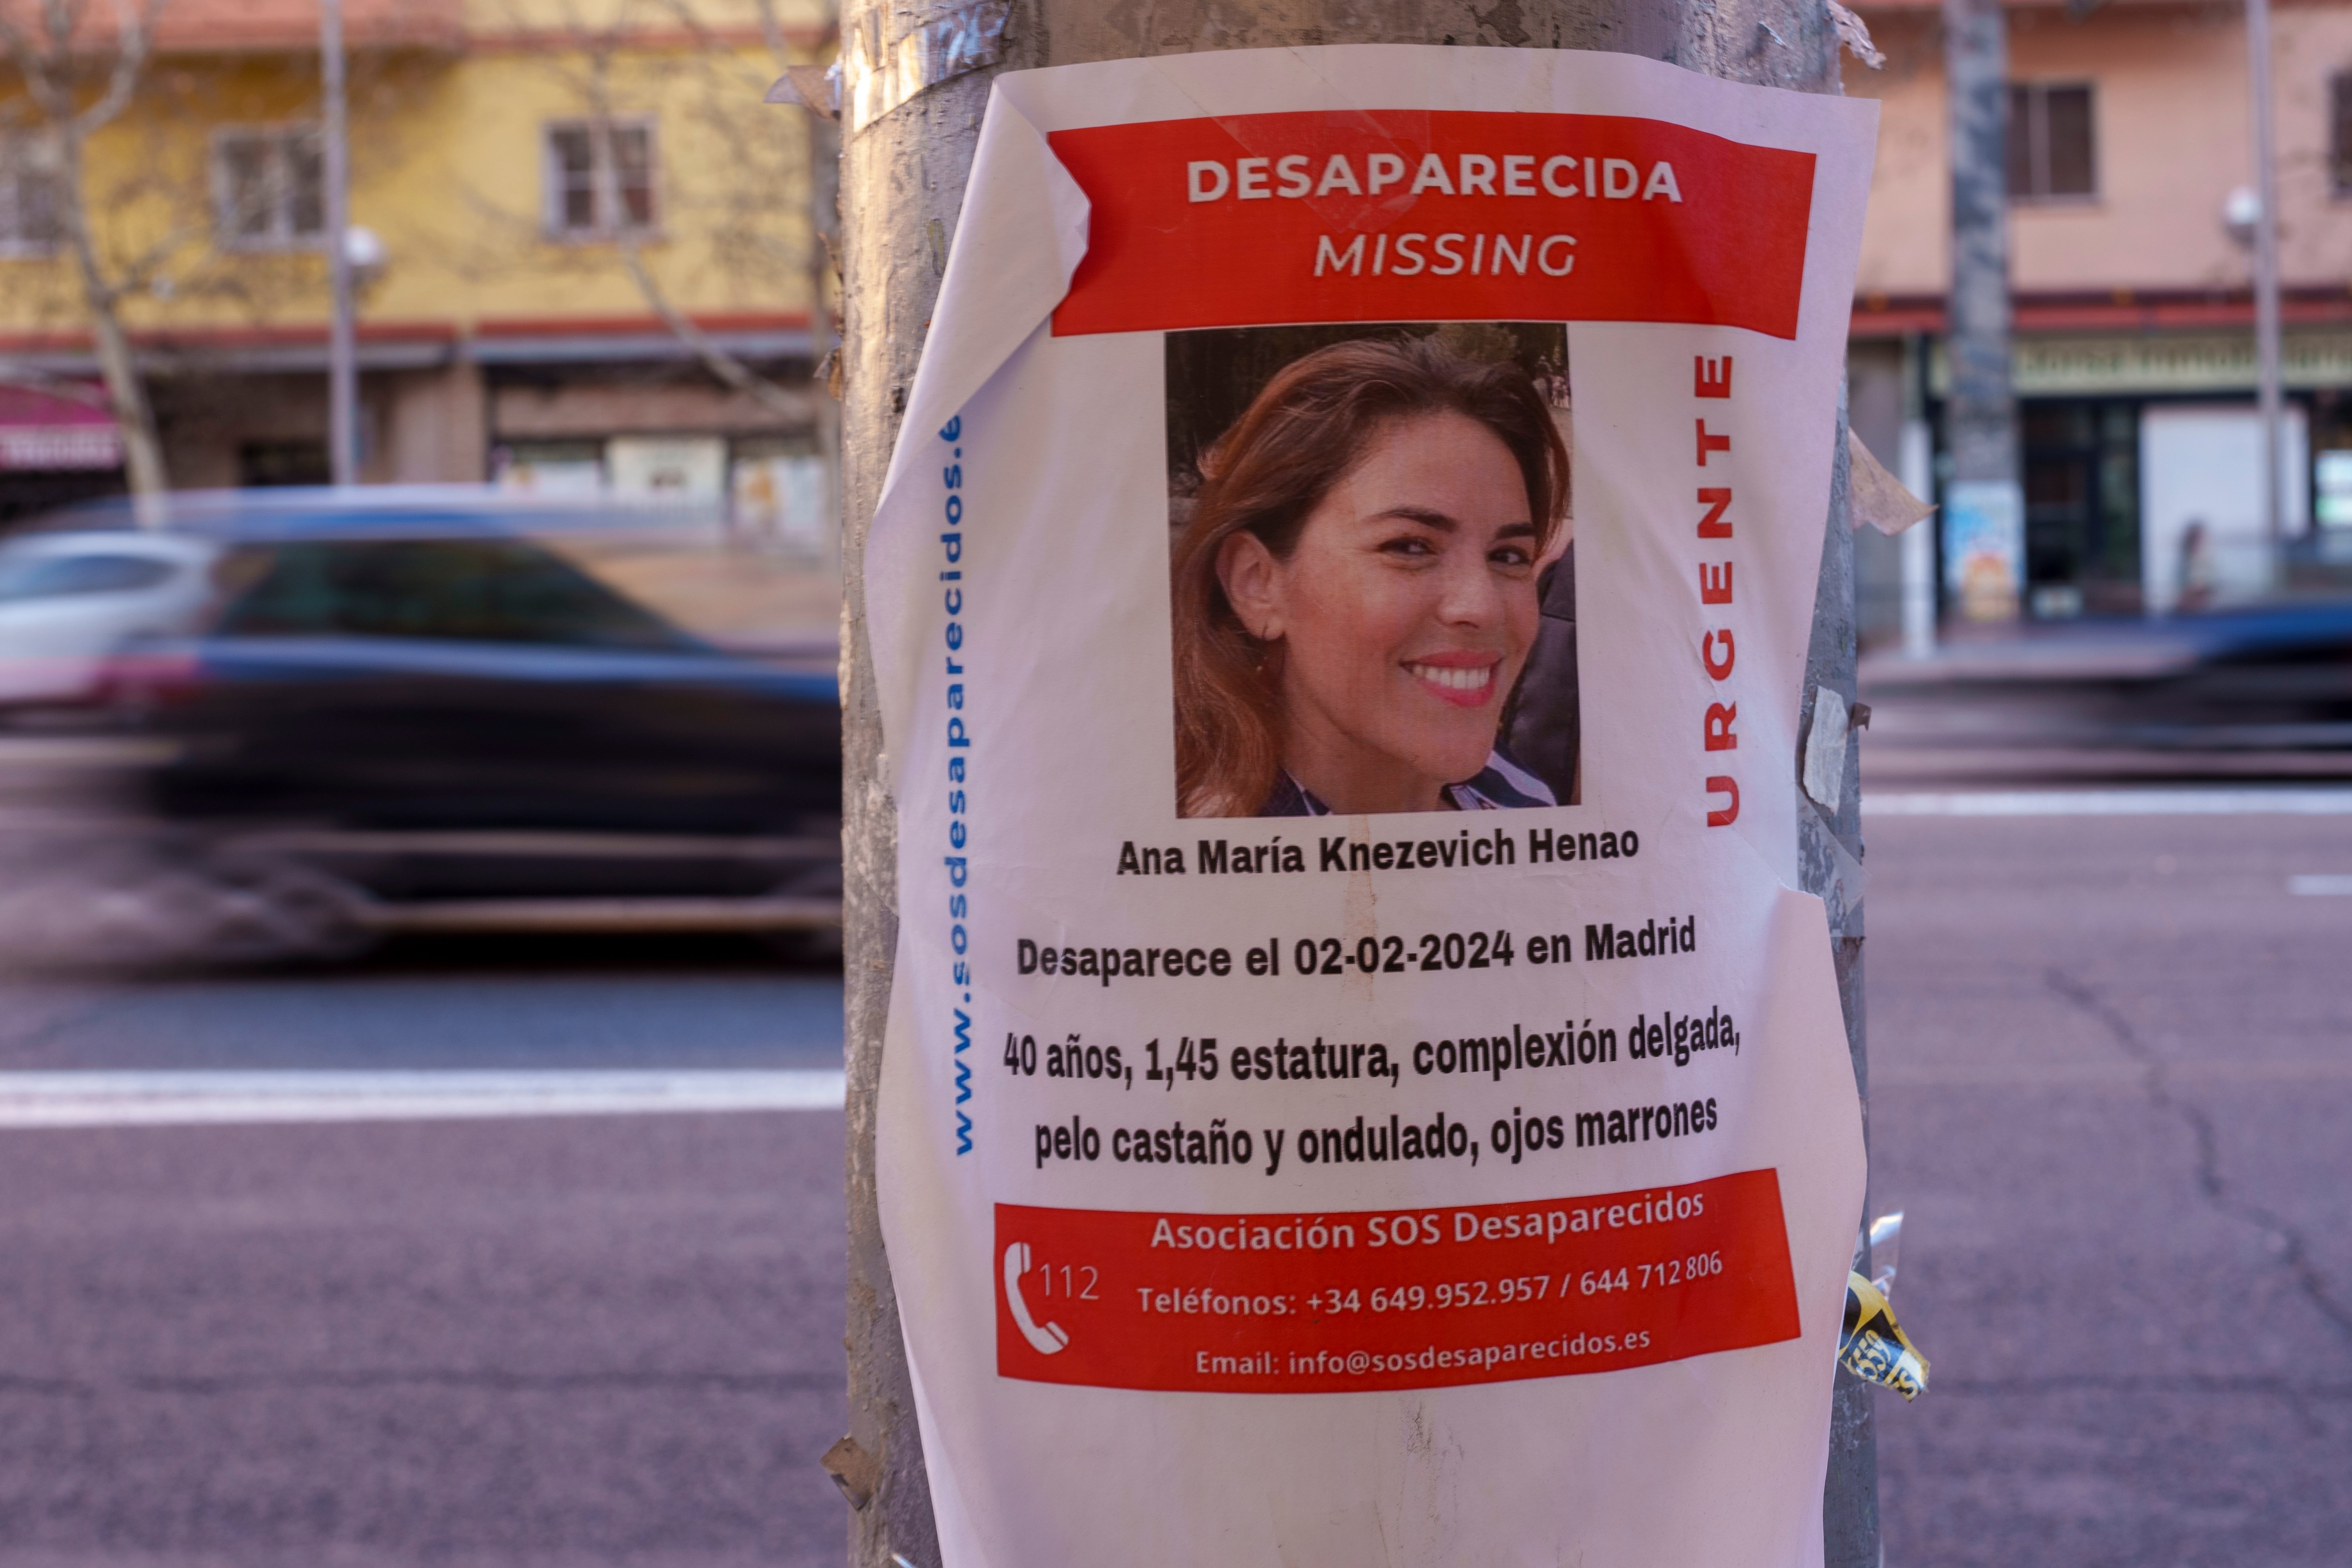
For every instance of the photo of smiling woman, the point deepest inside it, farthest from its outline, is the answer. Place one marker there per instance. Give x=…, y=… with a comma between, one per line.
x=1356, y=589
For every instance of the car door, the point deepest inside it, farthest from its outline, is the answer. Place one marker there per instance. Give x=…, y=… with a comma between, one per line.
x=485, y=681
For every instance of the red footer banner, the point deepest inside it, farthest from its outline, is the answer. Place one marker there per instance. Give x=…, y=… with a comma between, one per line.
x=1301, y=1303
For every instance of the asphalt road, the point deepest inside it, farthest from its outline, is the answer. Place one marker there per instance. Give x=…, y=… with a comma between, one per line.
x=513, y=1341
x=2112, y=1088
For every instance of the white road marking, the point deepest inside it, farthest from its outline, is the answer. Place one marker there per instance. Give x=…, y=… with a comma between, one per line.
x=2334, y=801
x=2114, y=1075
x=2323, y=886
x=102, y=1099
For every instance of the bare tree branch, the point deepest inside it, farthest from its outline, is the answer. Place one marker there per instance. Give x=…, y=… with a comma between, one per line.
x=730, y=370
x=31, y=62
x=135, y=35
x=52, y=81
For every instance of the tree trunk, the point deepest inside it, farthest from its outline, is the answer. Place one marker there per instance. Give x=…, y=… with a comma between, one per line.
x=117, y=363
x=902, y=186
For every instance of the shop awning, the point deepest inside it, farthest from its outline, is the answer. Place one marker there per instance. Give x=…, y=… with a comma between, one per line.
x=51, y=432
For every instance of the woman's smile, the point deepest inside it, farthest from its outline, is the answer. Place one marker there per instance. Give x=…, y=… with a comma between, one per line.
x=1464, y=679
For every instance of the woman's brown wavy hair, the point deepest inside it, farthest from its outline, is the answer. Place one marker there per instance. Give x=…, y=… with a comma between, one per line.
x=1301, y=437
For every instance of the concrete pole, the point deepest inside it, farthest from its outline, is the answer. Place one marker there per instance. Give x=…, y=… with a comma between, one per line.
x=825, y=239
x=902, y=185
x=1829, y=849
x=2266, y=271
x=343, y=355
x=1981, y=417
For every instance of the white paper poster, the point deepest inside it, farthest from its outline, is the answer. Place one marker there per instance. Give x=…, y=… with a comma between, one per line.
x=1361, y=1087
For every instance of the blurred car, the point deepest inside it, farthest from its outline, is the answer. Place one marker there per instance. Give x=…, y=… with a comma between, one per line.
x=408, y=716
x=2262, y=690
x=68, y=599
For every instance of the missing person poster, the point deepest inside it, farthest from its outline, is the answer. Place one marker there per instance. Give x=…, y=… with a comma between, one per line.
x=1361, y=1085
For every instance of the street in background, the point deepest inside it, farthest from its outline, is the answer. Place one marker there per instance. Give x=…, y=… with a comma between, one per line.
x=350, y=1224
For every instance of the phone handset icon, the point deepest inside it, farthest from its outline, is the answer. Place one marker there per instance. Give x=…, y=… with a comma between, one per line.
x=1044, y=1337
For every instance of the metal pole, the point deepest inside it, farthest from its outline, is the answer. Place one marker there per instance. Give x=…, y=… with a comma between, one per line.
x=342, y=360
x=2266, y=269
x=1983, y=505
x=902, y=186
x=1918, y=477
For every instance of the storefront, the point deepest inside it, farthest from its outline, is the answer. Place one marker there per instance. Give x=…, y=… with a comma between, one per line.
x=56, y=447
x=664, y=430
x=2140, y=458
x=2142, y=466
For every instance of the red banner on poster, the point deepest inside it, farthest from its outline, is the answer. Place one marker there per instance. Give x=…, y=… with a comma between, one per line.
x=1410, y=1298
x=1431, y=216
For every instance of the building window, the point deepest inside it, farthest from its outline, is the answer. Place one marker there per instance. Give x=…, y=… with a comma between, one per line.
x=270, y=186
x=600, y=185
x=267, y=464
x=2050, y=148
x=28, y=198
x=2339, y=132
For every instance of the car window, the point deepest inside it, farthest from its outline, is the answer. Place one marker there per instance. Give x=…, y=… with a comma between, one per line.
x=58, y=576
x=487, y=589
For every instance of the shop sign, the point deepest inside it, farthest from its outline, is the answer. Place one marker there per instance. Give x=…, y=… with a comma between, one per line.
x=44, y=431
x=2161, y=363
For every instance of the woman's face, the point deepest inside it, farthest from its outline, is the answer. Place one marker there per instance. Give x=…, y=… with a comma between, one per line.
x=1403, y=615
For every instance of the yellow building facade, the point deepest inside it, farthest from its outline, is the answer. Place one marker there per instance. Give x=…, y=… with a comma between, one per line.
x=560, y=211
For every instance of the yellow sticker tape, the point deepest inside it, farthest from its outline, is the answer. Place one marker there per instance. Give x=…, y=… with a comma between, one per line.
x=1872, y=1346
